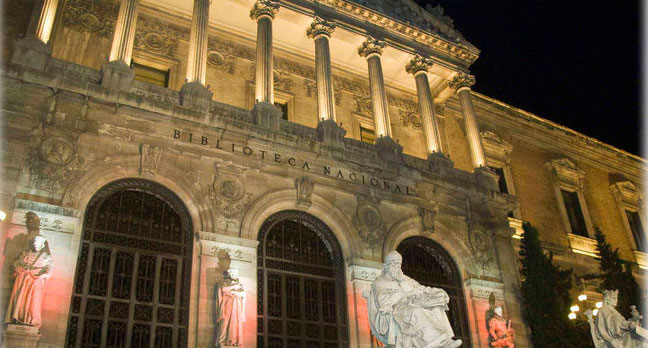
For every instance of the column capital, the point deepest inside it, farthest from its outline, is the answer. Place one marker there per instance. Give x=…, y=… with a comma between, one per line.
x=264, y=8
x=418, y=64
x=320, y=27
x=462, y=80
x=371, y=46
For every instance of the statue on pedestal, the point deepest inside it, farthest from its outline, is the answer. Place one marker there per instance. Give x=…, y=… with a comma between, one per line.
x=610, y=329
x=230, y=311
x=405, y=314
x=500, y=331
x=32, y=267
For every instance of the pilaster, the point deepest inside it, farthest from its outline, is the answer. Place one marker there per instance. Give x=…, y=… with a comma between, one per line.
x=194, y=94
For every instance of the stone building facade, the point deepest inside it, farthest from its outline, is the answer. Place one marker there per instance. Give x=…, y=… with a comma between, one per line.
x=163, y=142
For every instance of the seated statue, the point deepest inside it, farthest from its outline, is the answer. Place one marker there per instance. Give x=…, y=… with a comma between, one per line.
x=610, y=329
x=32, y=267
x=500, y=332
x=405, y=314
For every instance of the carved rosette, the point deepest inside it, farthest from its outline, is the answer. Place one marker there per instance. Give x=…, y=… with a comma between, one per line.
x=369, y=223
x=54, y=165
x=320, y=27
x=411, y=120
x=228, y=196
x=462, y=80
x=304, y=188
x=264, y=8
x=418, y=64
x=371, y=46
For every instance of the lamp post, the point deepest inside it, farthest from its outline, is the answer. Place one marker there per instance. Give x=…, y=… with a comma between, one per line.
x=583, y=306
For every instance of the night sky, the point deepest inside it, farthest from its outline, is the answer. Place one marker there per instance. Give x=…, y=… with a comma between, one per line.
x=575, y=62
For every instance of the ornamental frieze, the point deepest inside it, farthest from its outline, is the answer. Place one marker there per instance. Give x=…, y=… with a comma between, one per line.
x=97, y=17
x=155, y=36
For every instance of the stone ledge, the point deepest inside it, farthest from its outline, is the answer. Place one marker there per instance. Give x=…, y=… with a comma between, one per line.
x=480, y=288
x=642, y=259
x=582, y=245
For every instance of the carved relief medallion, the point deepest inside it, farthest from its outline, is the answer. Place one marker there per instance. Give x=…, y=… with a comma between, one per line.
x=369, y=223
x=54, y=164
x=228, y=195
x=482, y=249
x=56, y=151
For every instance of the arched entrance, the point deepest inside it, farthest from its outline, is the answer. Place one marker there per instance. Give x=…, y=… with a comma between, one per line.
x=301, y=286
x=134, y=266
x=428, y=263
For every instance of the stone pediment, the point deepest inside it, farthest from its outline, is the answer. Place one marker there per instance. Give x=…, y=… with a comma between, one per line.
x=430, y=19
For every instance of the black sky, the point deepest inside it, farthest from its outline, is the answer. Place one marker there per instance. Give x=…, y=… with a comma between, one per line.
x=575, y=62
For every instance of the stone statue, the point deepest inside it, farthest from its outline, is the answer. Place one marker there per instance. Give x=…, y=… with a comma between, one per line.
x=32, y=267
x=500, y=332
x=230, y=311
x=405, y=314
x=610, y=329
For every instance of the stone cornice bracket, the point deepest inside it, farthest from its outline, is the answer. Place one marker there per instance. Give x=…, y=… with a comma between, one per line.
x=371, y=47
x=264, y=8
x=320, y=27
x=461, y=80
x=418, y=64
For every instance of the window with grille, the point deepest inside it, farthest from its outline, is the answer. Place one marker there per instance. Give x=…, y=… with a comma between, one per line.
x=430, y=265
x=301, y=294
x=133, y=267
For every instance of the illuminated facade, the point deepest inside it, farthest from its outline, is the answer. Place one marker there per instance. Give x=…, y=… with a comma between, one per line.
x=162, y=143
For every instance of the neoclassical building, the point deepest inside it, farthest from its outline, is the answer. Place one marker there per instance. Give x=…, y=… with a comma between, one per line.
x=158, y=144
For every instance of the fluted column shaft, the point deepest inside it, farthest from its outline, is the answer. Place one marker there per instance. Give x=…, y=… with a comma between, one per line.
x=124, y=37
x=418, y=66
x=263, y=12
x=372, y=49
x=197, y=64
x=41, y=27
x=462, y=83
x=320, y=30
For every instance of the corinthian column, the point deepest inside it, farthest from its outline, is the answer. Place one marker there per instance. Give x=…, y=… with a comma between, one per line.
x=264, y=12
x=320, y=31
x=43, y=20
x=197, y=65
x=462, y=82
x=124, y=37
x=418, y=67
x=372, y=49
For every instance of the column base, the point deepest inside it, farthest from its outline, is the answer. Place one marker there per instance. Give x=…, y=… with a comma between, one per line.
x=32, y=52
x=21, y=336
x=487, y=178
x=439, y=162
x=117, y=76
x=195, y=96
x=388, y=150
x=266, y=115
x=329, y=133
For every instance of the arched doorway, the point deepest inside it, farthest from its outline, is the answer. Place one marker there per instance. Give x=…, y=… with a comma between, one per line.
x=301, y=284
x=134, y=266
x=428, y=263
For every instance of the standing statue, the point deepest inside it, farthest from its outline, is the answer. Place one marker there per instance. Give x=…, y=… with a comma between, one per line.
x=500, y=332
x=230, y=311
x=32, y=267
x=611, y=330
x=405, y=314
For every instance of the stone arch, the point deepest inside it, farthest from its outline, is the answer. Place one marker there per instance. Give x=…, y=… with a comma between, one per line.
x=275, y=201
x=78, y=196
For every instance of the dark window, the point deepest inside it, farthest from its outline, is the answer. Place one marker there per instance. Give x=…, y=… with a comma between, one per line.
x=429, y=264
x=301, y=287
x=130, y=288
x=284, y=109
x=637, y=230
x=151, y=75
x=501, y=180
x=574, y=213
x=367, y=135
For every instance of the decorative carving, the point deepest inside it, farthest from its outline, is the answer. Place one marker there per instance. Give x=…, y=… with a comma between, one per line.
x=156, y=36
x=217, y=60
x=304, y=188
x=364, y=273
x=481, y=245
x=411, y=120
x=230, y=310
x=310, y=87
x=264, y=8
x=427, y=218
x=368, y=221
x=497, y=149
x=97, y=17
x=627, y=192
x=54, y=164
x=439, y=109
x=320, y=27
x=461, y=80
x=567, y=173
x=30, y=270
x=228, y=196
x=149, y=159
x=418, y=64
x=371, y=46
x=282, y=81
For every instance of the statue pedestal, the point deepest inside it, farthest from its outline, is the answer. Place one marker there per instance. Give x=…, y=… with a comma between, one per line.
x=21, y=336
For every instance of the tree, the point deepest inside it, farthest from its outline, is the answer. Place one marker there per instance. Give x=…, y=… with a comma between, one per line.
x=617, y=274
x=545, y=288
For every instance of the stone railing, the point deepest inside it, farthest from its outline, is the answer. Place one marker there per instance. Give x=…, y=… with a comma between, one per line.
x=155, y=93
